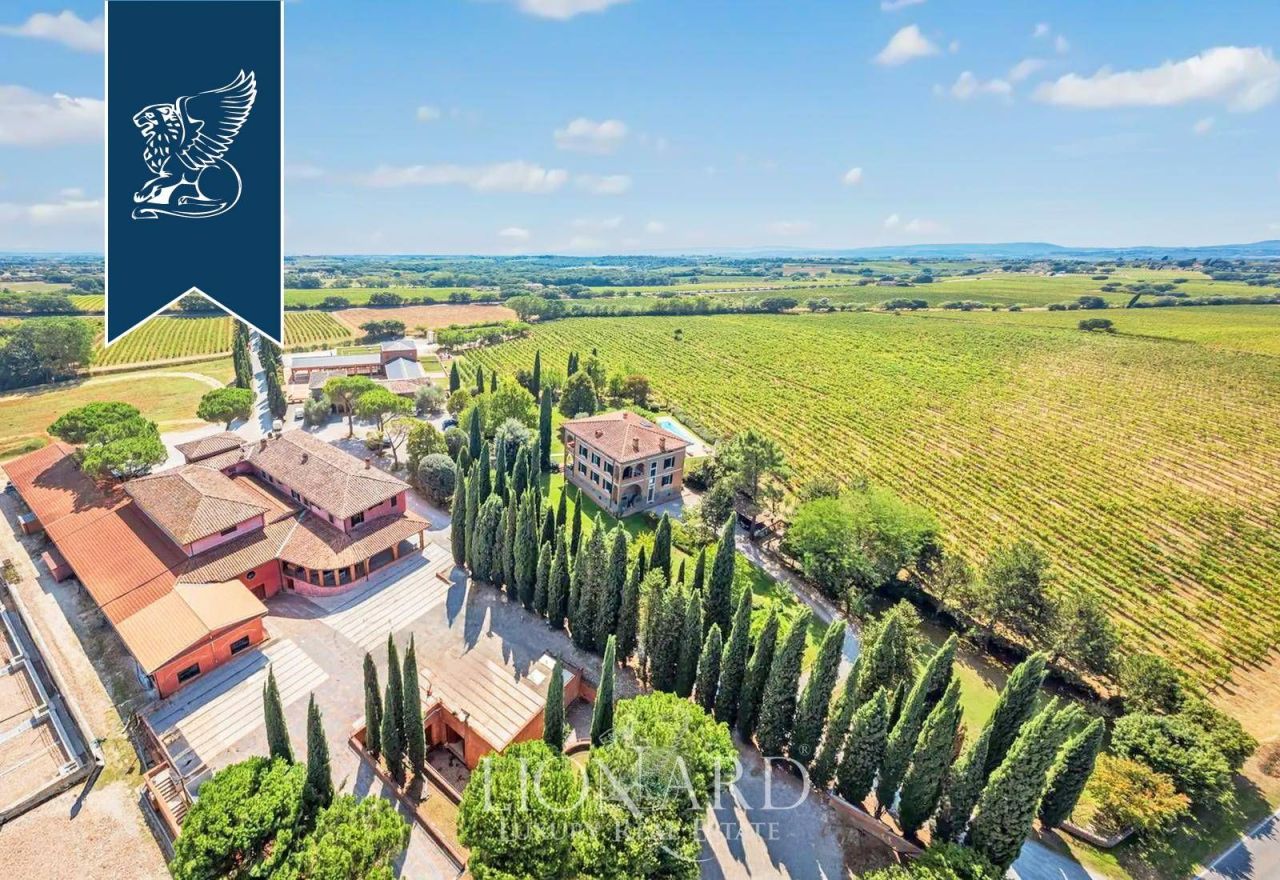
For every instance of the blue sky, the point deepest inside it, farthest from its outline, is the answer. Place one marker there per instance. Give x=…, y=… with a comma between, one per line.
x=592, y=126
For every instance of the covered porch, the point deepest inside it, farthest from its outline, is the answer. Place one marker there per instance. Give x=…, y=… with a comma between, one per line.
x=318, y=558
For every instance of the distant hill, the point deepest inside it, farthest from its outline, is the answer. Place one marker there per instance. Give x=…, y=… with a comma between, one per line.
x=1022, y=250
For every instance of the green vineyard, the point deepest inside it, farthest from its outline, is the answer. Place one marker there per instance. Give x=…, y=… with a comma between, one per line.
x=1147, y=468
x=313, y=328
x=165, y=338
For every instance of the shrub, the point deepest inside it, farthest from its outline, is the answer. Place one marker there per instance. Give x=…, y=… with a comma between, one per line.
x=1174, y=746
x=1090, y=325
x=1127, y=794
x=437, y=476
x=315, y=413
x=429, y=399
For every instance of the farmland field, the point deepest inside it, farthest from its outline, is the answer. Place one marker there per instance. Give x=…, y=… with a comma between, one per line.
x=426, y=316
x=165, y=338
x=1145, y=467
x=89, y=302
x=359, y=296
x=313, y=328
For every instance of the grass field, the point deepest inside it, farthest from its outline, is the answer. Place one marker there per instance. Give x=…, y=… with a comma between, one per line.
x=1145, y=467
x=162, y=395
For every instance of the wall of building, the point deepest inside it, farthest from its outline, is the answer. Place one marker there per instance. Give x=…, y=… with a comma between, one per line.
x=211, y=541
x=210, y=655
x=267, y=579
x=386, y=508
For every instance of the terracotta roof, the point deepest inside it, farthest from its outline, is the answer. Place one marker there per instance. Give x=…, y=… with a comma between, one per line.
x=326, y=476
x=316, y=544
x=278, y=506
x=192, y=502
x=222, y=604
x=184, y=617
x=52, y=484
x=116, y=553
x=222, y=460
x=624, y=436
x=235, y=557
x=403, y=386
x=197, y=450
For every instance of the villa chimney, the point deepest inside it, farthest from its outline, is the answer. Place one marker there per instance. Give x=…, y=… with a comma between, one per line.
x=262, y=444
x=599, y=433
x=368, y=462
x=635, y=444
x=662, y=443
x=305, y=456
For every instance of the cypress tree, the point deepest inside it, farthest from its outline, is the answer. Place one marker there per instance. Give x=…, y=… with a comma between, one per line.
x=493, y=381
x=562, y=511
x=591, y=589
x=543, y=580
x=778, y=705
x=720, y=584
x=455, y=381
x=661, y=556
x=757, y=674
x=1015, y=705
x=690, y=646
x=653, y=601
x=317, y=790
x=548, y=527
x=823, y=769
x=577, y=577
x=520, y=471
x=709, y=669
x=473, y=513
x=372, y=708
x=642, y=560
x=458, y=521
x=553, y=712
x=922, y=785
x=572, y=366
x=278, y=745
x=880, y=658
x=526, y=552
x=680, y=574
x=733, y=665
x=508, y=557
x=1008, y=804
x=464, y=459
x=485, y=544
x=479, y=379
x=500, y=472
x=558, y=584
x=535, y=379
x=544, y=432
x=486, y=472
x=863, y=748
x=664, y=657
x=415, y=738
x=815, y=699
x=700, y=570
x=961, y=790
x=906, y=730
x=614, y=586
x=575, y=536
x=392, y=745
x=395, y=681
x=1069, y=773
x=602, y=713
x=629, y=616
x=475, y=436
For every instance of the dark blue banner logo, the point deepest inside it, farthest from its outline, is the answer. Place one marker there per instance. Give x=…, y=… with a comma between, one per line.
x=194, y=148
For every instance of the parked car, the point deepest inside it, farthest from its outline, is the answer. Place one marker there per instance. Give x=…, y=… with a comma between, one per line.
x=450, y=422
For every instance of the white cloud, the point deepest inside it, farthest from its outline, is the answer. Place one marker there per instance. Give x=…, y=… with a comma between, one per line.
x=1024, y=68
x=790, y=227
x=853, y=176
x=1203, y=126
x=1060, y=45
x=585, y=243
x=66, y=28
x=969, y=86
x=1244, y=79
x=428, y=113
x=588, y=136
x=67, y=211
x=1041, y=30
x=71, y=192
x=514, y=233
x=915, y=226
x=895, y=5
x=517, y=176
x=655, y=227
x=28, y=117
x=906, y=44
x=604, y=184
x=302, y=171
x=600, y=223
x=562, y=10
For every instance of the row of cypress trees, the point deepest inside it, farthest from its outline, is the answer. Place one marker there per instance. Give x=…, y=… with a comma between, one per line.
x=317, y=791
x=394, y=727
x=902, y=743
x=240, y=358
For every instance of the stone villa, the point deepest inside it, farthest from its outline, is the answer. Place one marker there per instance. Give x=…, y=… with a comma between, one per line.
x=623, y=462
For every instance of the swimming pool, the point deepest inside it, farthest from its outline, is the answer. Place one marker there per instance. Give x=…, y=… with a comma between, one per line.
x=676, y=428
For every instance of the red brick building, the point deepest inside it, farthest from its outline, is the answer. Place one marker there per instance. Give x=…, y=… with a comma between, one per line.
x=181, y=561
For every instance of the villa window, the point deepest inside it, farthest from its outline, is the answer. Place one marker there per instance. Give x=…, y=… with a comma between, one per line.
x=595, y=477
x=669, y=462
x=595, y=459
x=357, y=519
x=653, y=468
x=666, y=480
x=608, y=468
x=395, y=500
x=608, y=487
x=582, y=468
x=250, y=574
x=230, y=531
x=239, y=644
x=626, y=472
x=189, y=673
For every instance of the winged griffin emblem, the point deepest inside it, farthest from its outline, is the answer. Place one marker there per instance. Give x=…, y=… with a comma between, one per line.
x=187, y=142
